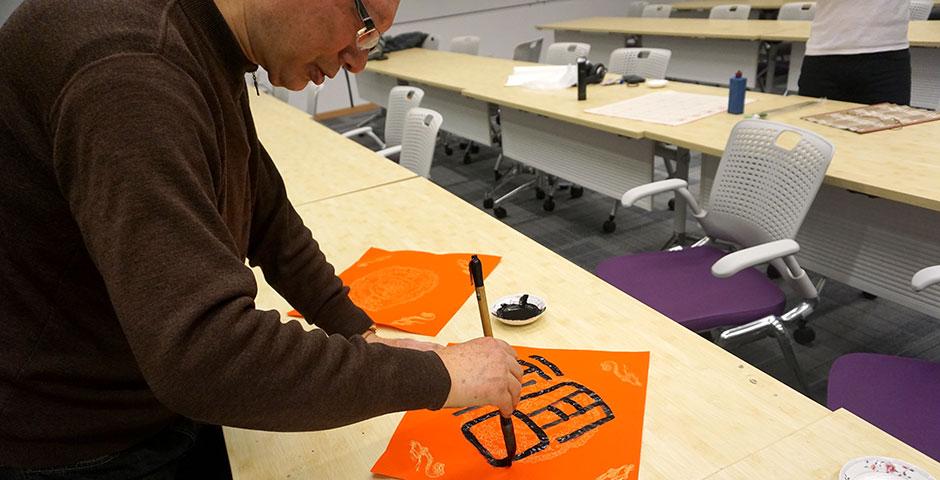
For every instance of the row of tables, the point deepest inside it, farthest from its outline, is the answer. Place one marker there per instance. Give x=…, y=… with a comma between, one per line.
x=708, y=415
x=874, y=222
x=711, y=51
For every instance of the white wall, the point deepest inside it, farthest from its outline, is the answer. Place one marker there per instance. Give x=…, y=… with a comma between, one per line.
x=499, y=29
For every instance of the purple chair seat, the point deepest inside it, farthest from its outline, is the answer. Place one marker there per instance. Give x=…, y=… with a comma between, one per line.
x=899, y=395
x=680, y=286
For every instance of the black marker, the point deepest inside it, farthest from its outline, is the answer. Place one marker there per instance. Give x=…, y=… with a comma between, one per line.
x=505, y=423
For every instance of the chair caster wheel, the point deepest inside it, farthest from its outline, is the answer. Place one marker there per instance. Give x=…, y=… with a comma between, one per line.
x=539, y=194
x=487, y=203
x=498, y=176
x=610, y=226
x=577, y=192
x=772, y=272
x=548, y=205
x=500, y=212
x=804, y=335
x=869, y=296
x=463, y=145
x=474, y=148
x=672, y=204
x=467, y=160
x=448, y=150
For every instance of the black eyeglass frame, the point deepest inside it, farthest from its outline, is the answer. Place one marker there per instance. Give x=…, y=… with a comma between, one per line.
x=367, y=37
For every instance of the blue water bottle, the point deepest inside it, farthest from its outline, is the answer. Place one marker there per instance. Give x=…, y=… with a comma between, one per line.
x=737, y=87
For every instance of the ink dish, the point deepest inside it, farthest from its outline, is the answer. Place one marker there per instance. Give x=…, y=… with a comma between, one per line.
x=518, y=309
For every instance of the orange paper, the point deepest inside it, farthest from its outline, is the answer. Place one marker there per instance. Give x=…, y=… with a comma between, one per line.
x=580, y=416
x=417, y=292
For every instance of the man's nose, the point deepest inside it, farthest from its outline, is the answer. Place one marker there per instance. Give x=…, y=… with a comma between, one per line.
x=353, y=59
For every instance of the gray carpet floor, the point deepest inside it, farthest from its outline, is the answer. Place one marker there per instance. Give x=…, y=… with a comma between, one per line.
x=845, y=322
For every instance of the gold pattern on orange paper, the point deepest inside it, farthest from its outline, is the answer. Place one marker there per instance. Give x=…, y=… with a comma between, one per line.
x=617, y=473
x=622, y=372
x=392, y=286
x=414, y=319
x=420, y=453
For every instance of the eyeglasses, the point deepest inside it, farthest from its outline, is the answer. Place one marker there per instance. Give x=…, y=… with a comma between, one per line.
x=367, y=37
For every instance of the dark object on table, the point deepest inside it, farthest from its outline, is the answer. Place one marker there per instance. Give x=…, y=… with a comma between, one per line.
x=632, y=80
x=518, y=311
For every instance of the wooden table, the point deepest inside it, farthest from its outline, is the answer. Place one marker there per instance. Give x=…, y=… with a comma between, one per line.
x=705, y=410
x=316, y=162
x=710, y=50
x=442, y=76
x=703, y=50
x=818, y=451
x=873, y=244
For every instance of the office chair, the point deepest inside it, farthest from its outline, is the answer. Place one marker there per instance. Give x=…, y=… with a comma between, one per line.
x=469, y=45
x=418, y=140
x=920, y=9
x=528, y=51
x=898, y=395
x=635, y=9
x=566, y=53
x=647, y=63
x=657, y=11
x=766, y=181
x=777, y=51
x=313, y=97
x=466, y=44
x=401, y=99
x=730, y=12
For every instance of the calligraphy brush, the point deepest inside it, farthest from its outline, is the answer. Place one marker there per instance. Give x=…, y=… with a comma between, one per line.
x=505, y=423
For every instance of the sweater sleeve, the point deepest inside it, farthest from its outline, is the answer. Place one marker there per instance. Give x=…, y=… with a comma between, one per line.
x=292, y=261
x=135, y=146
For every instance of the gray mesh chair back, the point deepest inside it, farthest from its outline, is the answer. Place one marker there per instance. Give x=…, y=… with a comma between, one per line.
x=920, y=9
x=566, y=53
x=645, y=62
x=431, y=42
x=417, y=146
x=635, y=9
x=400, y=101
x=466, y=44
x=730, y=12
x=657, y=10
x=313, y=95
x=763, y=189
x=797, y=11
x=528, y=51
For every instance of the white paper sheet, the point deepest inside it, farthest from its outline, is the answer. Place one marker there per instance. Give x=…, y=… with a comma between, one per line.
x=666, y=108
x=550, y=77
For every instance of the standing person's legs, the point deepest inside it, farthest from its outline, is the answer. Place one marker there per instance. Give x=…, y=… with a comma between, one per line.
x=825, y=76
x=886, y=77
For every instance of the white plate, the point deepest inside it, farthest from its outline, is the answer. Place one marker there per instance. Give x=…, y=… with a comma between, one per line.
x=881, y=468
x=511, y=299
x=656, y=83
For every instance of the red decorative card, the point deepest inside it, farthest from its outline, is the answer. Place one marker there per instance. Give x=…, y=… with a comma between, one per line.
x=417, y=292
x=580, y=416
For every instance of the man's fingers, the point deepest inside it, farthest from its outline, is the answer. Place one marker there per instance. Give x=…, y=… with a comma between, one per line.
x=506, y=405
x=515, y=391
x=515, y=369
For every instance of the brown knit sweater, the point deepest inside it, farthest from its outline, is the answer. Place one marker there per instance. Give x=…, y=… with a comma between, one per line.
x=132, y=189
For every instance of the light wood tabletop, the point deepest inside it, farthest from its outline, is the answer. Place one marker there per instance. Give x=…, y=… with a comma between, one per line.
x=673, y=27
x=920, y=33
x=316, y=162
x=708, y=4
x=818, y=451
x=705, y=408
x=446, y=70
x=898, y=165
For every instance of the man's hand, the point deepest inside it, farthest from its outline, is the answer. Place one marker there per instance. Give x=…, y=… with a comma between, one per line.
x=401, y=342
x=483, y=371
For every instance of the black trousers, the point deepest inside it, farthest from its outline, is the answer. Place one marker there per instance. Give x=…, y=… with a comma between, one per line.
x=864, y=78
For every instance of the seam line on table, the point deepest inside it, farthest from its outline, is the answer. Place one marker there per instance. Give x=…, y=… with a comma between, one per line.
x=354, y=191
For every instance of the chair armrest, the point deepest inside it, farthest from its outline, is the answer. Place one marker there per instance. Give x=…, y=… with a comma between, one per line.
x=733, y=263
x=357, y=131
x=663, y=186
x=926, y=278
x=387, y=152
